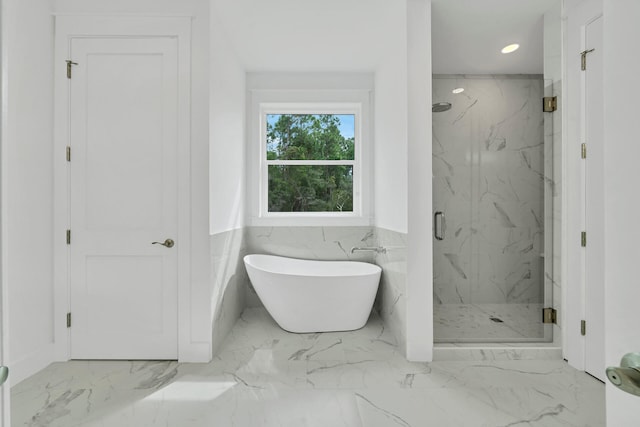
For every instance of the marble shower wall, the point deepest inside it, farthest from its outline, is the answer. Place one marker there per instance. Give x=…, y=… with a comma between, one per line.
x=335, y=243
x=488, y=165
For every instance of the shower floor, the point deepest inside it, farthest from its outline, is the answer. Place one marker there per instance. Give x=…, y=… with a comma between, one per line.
x=488, y=323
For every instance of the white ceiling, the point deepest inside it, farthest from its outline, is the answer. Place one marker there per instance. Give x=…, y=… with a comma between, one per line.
x=359, y=35
x=311, y=35
x=467, y=36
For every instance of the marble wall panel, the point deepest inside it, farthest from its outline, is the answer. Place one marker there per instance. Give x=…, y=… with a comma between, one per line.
x=489, y=175
x=391, y=300
x=229, y=282
x=317, y=243
x=320, y=243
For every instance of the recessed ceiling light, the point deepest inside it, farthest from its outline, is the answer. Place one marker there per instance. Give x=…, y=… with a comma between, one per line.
x=510, y=48
x=458, y=90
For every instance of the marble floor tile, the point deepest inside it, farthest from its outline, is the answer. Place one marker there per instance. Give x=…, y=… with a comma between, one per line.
x=496, y=351
x=473, y=322
x=267, y=377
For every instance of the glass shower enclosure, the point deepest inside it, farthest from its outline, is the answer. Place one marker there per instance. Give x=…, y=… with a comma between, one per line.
x=489, y=198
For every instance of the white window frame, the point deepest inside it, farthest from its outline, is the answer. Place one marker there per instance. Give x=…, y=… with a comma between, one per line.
x=266, y=102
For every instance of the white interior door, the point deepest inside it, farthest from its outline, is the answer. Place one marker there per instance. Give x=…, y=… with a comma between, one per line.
x=594, y=203
x=123, y=197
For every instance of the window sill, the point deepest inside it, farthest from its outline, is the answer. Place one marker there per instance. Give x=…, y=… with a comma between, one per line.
x=311, y=221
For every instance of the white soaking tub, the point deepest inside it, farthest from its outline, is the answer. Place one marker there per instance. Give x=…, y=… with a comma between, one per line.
x=314, y=296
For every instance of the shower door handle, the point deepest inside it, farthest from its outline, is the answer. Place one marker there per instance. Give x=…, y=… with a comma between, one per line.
x=439, y=225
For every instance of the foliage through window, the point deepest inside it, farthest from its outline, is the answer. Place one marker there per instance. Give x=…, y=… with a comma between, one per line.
x=310, y=162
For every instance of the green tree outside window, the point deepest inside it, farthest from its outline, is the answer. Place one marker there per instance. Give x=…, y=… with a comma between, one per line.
x=310, y=187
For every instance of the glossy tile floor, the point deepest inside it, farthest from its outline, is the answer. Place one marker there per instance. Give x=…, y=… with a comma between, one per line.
x=267, y=377
x=472, y=322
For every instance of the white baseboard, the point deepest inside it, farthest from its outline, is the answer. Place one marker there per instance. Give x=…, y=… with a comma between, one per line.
x=26, y=366
x=195, y=353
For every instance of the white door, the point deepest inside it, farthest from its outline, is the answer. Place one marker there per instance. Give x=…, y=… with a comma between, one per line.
x=594, y=202
x=123, y=197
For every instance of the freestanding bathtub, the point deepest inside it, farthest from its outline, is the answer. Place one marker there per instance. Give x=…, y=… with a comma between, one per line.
x=314, y=296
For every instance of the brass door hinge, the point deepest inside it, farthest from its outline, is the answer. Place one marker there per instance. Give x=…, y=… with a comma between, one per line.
x=68, y=320
x=68, y=237
x=549, y=104
x=583, y=239
x=549, y=315
x=69, y=64
x=583, y=151
x=583, y=327
x=68, y=154
x=583, y=58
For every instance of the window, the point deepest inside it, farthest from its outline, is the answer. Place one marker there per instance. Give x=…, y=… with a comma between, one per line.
x=310, y=161
x=310, y=156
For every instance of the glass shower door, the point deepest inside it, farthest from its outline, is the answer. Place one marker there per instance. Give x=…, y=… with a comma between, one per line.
x=489, y=210
x=452, y=247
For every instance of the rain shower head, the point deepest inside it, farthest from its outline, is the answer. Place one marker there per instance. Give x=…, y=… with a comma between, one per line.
x=439, y=107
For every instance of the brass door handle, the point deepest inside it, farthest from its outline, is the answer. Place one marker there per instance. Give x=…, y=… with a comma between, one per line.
x=167, y=243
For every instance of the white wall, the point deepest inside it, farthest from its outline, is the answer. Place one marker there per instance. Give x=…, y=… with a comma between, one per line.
x=419, y=246
x=27, y=186
x=390, y=134
x=199, y=341
x=309, y=36
x=622, y=151
x=227, y=132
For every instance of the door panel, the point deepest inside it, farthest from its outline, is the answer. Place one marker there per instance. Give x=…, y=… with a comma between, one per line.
x=110, y=277
x=123, y=142
x=594, y=215
x=123, y=172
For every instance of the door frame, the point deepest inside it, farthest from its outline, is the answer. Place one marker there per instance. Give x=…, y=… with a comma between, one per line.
x=591, y=189
x=573, y=210
x=68, y=27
